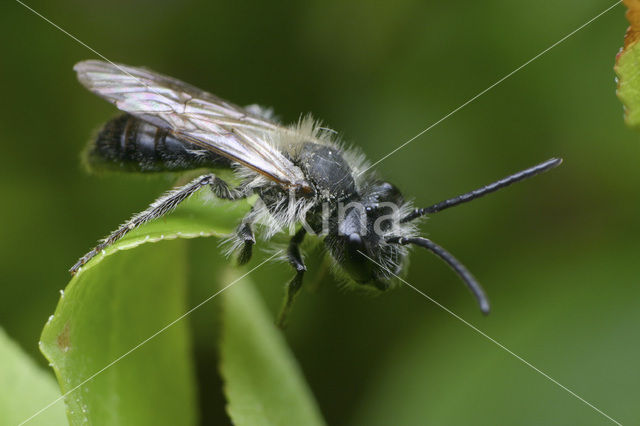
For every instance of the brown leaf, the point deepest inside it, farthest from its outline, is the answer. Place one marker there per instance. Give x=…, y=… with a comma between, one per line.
x=633, y=16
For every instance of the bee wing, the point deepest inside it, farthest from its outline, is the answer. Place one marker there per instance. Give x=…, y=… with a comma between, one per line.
x=192, y=115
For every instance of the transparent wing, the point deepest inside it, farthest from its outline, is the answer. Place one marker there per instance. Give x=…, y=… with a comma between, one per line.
x=192, y=115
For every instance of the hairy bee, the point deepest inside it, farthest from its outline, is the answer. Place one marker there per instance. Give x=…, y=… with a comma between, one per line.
x=305, y=180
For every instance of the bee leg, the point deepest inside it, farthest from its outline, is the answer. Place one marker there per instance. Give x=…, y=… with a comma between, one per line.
x=295, y=260
x=245, y=234
x=160, y=207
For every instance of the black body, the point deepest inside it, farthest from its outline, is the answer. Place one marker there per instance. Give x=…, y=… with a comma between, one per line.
x=129, y=144
x=370, y=258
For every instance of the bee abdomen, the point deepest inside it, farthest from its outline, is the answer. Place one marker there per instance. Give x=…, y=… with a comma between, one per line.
x=129, y=144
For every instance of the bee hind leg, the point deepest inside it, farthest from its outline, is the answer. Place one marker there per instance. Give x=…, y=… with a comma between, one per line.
x=163, y=205
x=295, y=260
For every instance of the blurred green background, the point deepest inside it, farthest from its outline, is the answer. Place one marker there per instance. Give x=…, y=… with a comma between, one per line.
x=558, y=255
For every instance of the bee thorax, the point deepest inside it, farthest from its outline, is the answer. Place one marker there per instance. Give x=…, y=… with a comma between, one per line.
x=326, y=168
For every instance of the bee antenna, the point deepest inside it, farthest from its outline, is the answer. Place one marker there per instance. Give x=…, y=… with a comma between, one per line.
x=477, y=193
x=454, y=263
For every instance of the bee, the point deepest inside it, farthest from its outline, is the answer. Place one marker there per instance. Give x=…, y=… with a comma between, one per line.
x=305, y=179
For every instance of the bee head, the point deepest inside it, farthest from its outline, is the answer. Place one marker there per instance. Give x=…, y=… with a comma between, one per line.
x=358, y=242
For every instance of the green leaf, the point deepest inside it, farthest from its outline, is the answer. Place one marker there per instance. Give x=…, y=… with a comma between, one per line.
x=628, y=66
x=26, y=388
x=118, y=301
x=263, y=382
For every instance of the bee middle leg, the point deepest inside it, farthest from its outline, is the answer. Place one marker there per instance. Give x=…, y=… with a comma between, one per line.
x=163, y=205
x=245, y=234
x=295, y=260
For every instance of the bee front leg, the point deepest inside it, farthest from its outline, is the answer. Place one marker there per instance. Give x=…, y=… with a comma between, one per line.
x=295, y=260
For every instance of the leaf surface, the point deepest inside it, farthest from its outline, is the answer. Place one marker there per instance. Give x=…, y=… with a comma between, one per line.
x=107, y=340
x=26, y=388
x=263, y=382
